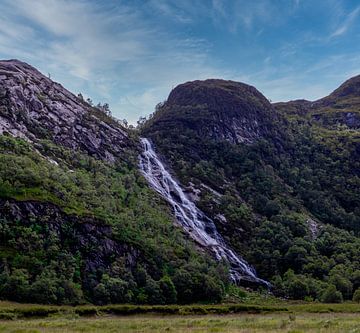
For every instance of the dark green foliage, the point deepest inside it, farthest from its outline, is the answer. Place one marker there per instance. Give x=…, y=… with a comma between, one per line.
x=112, y=290
x=190, y=285
x=15, y=285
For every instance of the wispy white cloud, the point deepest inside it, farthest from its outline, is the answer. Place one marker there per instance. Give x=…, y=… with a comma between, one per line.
x=346, y=24
x=173, y=11
x=111, y=50
x=240, y=14
x=282, y=83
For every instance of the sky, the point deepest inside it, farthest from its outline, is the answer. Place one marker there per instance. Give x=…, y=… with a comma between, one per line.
x=130, y=54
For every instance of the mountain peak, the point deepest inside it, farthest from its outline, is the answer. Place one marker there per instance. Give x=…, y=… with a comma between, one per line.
x=210, y=90
x=220, y=109
x=15, y=65
x=350, y=87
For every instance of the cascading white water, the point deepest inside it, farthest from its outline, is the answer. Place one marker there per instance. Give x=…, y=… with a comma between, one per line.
x=201, y=228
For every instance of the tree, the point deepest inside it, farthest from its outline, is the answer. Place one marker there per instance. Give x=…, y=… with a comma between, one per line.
x=343, y=285
x=101, y=294
x=46, y=289
x=141, y=122
x=112, y=290
x=15, y=286
x=125, y=123
x=168, y=290
x=153, y=292
x=331, y=295
x=214, y=290
x=356, y=296
x=295, y=285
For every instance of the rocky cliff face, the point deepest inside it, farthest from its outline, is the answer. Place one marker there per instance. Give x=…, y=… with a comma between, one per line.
x=222, y=110
x=34, y=107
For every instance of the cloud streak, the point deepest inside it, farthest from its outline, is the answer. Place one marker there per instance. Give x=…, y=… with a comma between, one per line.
x=349, y=20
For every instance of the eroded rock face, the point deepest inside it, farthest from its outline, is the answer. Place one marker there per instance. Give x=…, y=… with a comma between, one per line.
x=222, y=110
x=34, y=107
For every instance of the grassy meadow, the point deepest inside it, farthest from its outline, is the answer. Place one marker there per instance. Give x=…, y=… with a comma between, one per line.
x=285, y=317
x=273, y=322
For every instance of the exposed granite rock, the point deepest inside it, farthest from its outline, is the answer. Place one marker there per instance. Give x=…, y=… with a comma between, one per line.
x=313, y=228
x=34, y=107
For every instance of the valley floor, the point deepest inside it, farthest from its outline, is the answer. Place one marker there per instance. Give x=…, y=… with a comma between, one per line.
x=275, y=322
x=227, y=318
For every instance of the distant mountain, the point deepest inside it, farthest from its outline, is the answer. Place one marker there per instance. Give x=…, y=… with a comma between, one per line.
x=340, y=108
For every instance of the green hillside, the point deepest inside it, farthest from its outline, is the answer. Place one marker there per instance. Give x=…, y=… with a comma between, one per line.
x=288, y=200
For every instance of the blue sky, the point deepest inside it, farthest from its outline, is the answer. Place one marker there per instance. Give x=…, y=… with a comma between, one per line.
x=130, y=54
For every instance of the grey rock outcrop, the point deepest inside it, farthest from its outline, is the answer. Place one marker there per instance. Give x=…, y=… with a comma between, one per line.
x=34, y=107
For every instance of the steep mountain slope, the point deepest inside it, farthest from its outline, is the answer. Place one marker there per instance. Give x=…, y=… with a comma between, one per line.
x=285, y=195
x=77, y=220
x=33, y=107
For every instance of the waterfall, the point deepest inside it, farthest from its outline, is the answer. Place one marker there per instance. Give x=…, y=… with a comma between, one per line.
x=200, y=228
